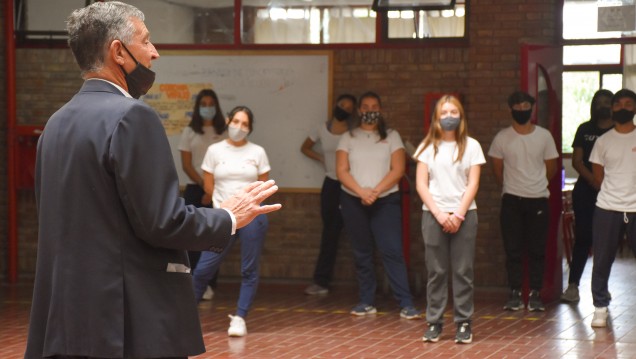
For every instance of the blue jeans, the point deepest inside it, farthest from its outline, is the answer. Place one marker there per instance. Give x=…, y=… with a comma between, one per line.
x=252, y=238
x=379, y=224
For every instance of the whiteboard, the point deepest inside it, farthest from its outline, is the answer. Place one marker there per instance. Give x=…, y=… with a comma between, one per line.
x=288, y=92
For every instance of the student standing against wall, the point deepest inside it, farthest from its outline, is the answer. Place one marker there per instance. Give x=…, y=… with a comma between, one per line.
x=614, y=166
x=328, y=134
x=448, y=169
x=524, y=159
x=227, y=166
x=206, y=127
x=585, y=190
x=370, y=162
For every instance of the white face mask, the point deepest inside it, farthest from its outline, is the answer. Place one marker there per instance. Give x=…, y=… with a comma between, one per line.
x=236, y=134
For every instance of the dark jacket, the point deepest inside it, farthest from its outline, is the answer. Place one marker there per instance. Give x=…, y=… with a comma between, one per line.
x=110, y=222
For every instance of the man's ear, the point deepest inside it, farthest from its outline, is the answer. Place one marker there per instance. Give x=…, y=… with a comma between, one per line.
x=116, y=52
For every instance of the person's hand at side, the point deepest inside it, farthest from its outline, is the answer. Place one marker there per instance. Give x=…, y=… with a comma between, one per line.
x=246, y=204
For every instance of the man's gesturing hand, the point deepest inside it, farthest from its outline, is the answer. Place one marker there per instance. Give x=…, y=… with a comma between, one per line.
x=246, y=204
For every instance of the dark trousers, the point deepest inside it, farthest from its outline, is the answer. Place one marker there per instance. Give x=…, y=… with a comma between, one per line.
x=608, y=230
x=192, y=194
x=583, y=203
x=379, y=224
x=524, y=229
x=331, y=227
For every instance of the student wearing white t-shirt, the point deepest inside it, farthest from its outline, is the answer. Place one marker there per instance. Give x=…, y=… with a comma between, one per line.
x=448, y=169
x=614, y=167
x=328, y=134
x=370, y=162
x=227, y=167
x=524, y=159
x=206, y=127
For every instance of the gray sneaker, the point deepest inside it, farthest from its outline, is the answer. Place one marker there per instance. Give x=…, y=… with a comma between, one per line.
x=433, y=332
x=316, y=289
x=514, y=302
x=410, y=313
x=534, y=302
x=571, y=294
x=464, y=334
x=362, y=309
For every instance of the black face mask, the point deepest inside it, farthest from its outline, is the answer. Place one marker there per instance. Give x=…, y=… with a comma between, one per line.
x=521, y=117
x=602, y=113
x=140, y=79
x=623, y=116
x=340, y=114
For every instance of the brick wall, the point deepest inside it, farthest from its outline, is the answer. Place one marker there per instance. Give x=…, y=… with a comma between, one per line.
x=484, y=73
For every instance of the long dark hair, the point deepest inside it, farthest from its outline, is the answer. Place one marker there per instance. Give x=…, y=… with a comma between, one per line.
x=381, y=122
x=597, y=95
x=218, y=122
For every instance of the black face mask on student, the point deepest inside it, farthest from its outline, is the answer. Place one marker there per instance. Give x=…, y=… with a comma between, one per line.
x=340, y=114
x=623, y=116
x=521, y=117
x=140, y=79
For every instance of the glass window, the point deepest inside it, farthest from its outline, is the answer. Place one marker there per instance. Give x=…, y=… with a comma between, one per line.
x=612, y=82
x=578, y=90
x=592, y=54
x=580, y=19
x=409, y=24
x=276, y=24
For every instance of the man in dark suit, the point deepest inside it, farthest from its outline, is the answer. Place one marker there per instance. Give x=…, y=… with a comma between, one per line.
x=112, y=278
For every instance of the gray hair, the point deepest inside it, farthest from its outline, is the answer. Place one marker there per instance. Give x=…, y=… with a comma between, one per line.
x=91, y=30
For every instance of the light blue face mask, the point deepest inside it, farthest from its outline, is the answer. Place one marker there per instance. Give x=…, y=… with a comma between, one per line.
x=207, y=112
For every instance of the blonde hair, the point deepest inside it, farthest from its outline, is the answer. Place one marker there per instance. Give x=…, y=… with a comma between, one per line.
x=435, y=131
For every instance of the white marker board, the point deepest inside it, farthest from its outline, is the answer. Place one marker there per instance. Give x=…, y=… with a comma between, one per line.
x=288, y=92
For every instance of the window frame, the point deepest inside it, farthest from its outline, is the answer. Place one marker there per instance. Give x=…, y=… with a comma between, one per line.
x=381, y=37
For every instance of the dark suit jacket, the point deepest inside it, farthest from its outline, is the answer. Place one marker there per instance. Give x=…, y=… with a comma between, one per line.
x=110, y=222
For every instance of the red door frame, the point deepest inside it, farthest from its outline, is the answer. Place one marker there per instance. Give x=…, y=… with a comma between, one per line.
x=547, y=61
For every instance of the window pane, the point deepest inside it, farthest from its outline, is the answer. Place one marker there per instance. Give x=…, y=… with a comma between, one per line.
x=277, y=24
x=188, y=22
x=580, y=20
x=578, y=90
x=422, y=24
x=613, y=82
x=592, y=54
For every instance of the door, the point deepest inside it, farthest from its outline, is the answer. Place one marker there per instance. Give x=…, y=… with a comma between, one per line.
x=541, y=71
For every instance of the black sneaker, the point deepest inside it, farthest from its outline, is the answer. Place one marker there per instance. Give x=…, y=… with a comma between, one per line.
x=534, y=302
x=464, y=334
x=433, y=333
x=514, y=302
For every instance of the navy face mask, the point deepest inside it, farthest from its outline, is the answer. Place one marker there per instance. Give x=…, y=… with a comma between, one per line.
x=140, y=79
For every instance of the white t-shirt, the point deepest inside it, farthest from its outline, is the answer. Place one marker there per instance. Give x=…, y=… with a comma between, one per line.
x=524, y=156
x=329, y=143
x=233, y=167
x=448, y=179
x=198, y=144
x=616, y=152
x=370, y=158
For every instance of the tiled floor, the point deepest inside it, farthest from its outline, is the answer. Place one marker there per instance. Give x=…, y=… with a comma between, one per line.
x=287, y=324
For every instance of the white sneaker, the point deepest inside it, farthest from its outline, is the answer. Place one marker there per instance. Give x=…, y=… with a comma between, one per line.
x=571, y=294
x=237, y=326
x=208, y=294
x=600, y=317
